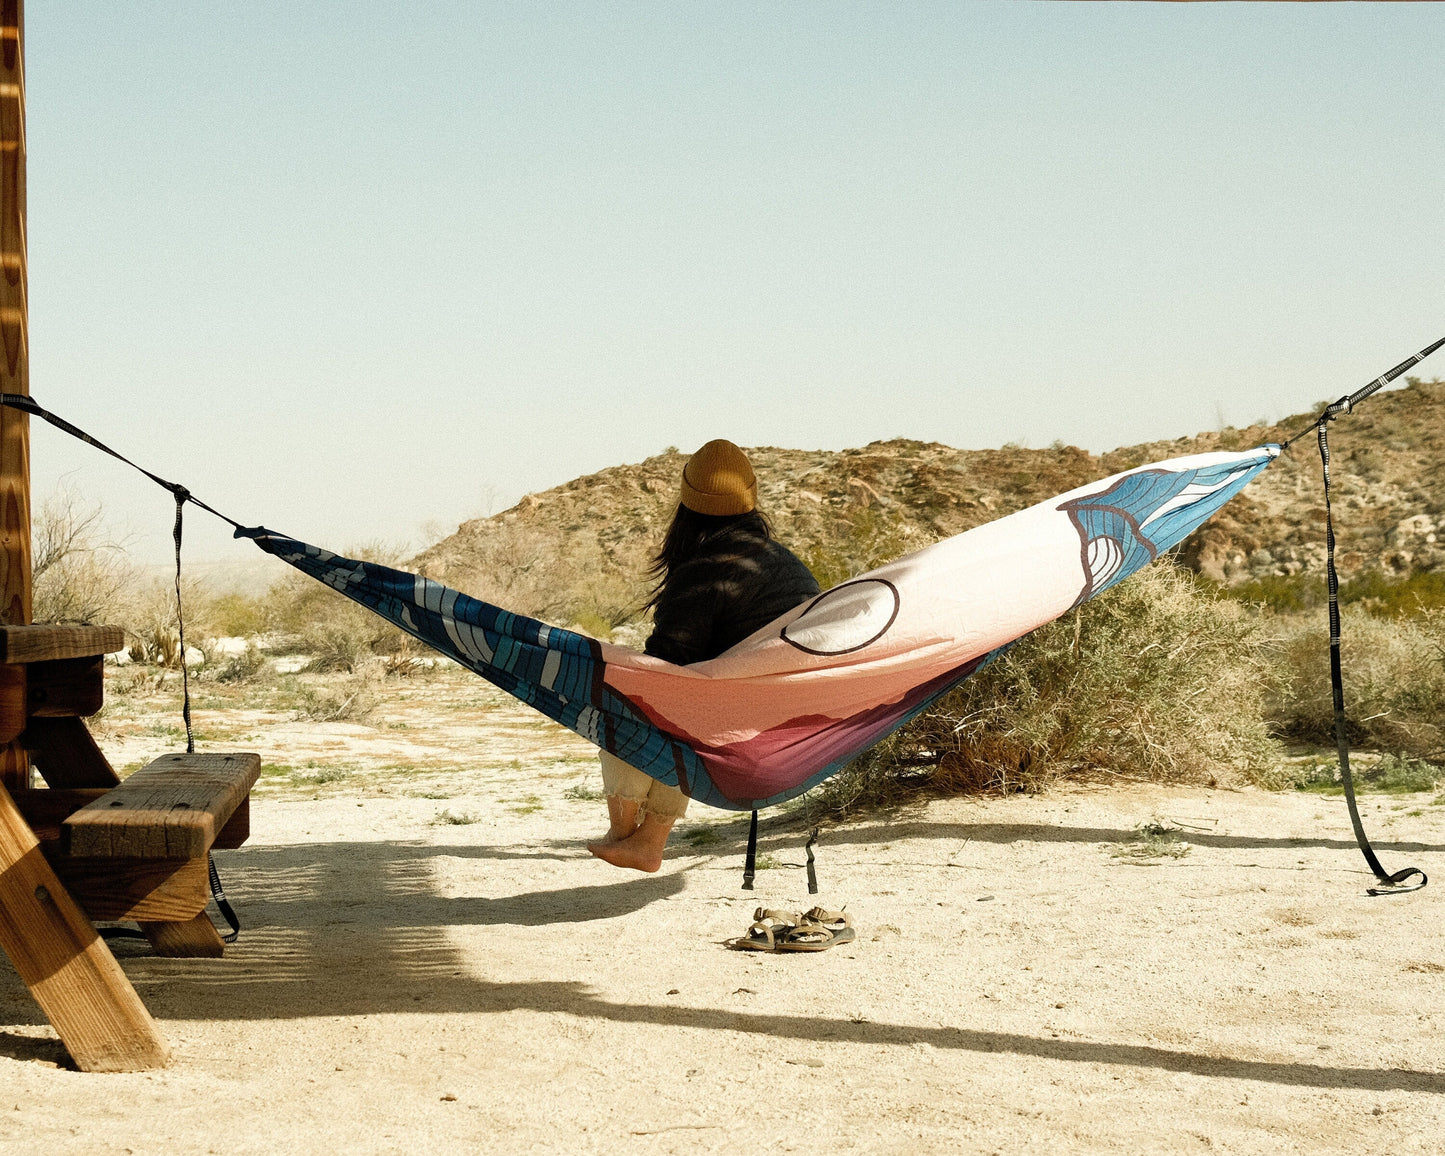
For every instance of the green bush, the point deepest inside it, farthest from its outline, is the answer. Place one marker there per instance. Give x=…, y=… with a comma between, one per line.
x=1396, y=597
x=862, y=540
x=1156, y=679
x=237, y=615
x=320, y=622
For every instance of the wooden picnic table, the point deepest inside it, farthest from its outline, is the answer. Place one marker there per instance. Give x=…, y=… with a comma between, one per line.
x=87, y=846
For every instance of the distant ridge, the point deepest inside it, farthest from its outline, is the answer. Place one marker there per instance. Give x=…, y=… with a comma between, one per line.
x=579, y=552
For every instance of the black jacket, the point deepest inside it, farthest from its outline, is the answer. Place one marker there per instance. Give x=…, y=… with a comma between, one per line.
x=737, y=582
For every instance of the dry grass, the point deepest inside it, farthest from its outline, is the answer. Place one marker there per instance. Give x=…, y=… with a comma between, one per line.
x=353, y=699
x=1156, y=679
x=1394, y=679
x=1152, y=842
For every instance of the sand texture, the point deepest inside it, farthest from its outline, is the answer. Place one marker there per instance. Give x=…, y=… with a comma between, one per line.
x=411, y=981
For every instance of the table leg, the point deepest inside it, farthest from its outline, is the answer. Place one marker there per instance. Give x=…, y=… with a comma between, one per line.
x=65, y=964
x=194, y=937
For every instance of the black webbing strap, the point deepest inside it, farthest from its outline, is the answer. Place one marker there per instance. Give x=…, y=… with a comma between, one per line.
x=182, y=495
x=218, y=893
x=1392, y=883
x=1348, y=403
x=750, y=864
x=812, y=872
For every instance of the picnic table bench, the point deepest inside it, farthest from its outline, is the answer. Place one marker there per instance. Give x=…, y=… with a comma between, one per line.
x=88, y=847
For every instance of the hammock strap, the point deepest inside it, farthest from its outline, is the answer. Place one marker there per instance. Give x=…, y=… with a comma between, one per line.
x=179, y=492
x=750, y=864
x=1391, y=883
x=218, y=893
x=182, y=495
x=1347, y=403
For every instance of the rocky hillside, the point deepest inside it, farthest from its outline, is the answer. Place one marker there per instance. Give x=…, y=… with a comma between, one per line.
x=579, y=552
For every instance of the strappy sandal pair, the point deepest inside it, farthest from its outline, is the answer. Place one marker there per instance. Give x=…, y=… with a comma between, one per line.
x=814, y=930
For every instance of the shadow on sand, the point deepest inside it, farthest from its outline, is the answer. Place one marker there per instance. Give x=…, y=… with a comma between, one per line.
x=311, y=950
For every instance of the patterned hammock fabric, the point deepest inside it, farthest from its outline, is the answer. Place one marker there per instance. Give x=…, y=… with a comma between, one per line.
x=796, y=701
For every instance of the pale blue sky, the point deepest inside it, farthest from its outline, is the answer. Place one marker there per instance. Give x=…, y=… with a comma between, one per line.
x=349, y=268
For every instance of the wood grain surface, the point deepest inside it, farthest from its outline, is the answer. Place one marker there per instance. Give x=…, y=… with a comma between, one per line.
x=172, y=808
x=66, y=965
x=66, y=753
x=42, y=642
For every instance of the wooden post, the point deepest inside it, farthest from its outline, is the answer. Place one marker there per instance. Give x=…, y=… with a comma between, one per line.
x=14, y=358
x=67, y=966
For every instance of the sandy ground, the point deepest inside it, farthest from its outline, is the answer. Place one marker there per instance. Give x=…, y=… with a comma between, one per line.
x=432, y=963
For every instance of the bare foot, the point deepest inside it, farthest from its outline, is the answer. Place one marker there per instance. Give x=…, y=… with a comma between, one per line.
x=642, y=850
x=623, y=854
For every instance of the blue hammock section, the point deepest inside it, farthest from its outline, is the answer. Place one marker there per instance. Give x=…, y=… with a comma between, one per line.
x=555, y=671
x=1122, y=527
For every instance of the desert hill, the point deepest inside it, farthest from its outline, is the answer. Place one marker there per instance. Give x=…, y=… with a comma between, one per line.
x=579, y=552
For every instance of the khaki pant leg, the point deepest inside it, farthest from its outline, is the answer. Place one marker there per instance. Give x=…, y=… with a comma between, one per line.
x=626, y=781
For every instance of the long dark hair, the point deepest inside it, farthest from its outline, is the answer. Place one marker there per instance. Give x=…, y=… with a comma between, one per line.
x=689, y=532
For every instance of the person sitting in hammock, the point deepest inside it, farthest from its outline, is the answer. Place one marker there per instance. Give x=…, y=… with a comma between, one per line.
x=721, y=576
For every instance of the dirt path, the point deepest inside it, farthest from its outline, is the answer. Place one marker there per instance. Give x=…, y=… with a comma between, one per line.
x=410, y=980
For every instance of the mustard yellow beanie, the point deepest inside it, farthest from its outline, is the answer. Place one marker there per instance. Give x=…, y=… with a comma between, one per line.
x=718, y=479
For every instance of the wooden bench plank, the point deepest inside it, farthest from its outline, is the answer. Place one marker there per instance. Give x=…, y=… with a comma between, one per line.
x=161, y=889
x=45, y=809
x=171, y=809
x=41, y=642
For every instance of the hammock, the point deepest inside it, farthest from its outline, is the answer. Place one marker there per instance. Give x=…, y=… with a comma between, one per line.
x=800, y=698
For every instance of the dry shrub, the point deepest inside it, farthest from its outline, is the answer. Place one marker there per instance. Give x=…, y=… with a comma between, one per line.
x=1155, y=679
x=318, y=621
x=248, y=666
x=334, y=648
x=352, y=699
x=519, y=567
x=152, y=623
x=1394, y=680
x=80, y=572
x=402, y=663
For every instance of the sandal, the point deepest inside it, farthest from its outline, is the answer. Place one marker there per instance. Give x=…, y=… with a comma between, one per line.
x=768, y=931
x=819, y=931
